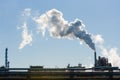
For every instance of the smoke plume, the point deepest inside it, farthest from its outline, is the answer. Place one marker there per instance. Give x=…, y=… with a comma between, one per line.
x=27, y=38
x=58, y=27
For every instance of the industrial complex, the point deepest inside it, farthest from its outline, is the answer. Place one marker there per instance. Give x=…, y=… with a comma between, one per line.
x=102, y=70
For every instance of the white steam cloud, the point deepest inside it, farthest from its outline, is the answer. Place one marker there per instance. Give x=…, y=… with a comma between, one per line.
x=58, y=27
x=98, y=39
x=112, y=53
x=26, y=12
x=27, y=38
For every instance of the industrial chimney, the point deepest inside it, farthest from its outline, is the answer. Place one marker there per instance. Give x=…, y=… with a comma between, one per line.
x=95, y=59
x=6, y=58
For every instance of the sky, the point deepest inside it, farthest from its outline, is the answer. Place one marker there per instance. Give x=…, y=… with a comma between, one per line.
x=23, y=24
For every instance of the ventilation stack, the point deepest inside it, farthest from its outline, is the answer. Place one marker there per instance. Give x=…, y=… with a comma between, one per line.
x=6, y=58
x=95, y=59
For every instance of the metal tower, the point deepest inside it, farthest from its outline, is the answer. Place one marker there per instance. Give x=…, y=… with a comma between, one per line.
x=6, y=58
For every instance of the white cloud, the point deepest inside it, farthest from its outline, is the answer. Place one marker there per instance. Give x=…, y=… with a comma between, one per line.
x=26, y=12
x=27, y=38
x=112, y=55
x=98, y=39
x=58, y=27
x=42, y=22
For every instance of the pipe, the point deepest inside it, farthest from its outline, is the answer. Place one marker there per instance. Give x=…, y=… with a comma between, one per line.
x=95, y=59
x=6, y=58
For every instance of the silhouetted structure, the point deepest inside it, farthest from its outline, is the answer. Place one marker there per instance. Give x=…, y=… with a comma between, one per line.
x=102, y=70
x=102, y=61
x=95, y=59
x=6, y=58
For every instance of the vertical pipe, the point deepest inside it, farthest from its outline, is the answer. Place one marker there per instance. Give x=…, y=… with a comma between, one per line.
x=6, y=57
x=95, y=59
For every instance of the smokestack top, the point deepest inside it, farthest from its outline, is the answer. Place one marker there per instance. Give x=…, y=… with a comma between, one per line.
x=6, y=49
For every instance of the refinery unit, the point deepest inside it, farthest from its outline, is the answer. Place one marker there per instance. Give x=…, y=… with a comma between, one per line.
x=102, y=70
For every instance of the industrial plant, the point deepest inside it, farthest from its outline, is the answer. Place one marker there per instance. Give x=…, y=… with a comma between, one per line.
x=102, y=70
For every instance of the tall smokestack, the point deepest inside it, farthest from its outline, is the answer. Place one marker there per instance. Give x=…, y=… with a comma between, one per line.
x=95, y=59
x=6, y=58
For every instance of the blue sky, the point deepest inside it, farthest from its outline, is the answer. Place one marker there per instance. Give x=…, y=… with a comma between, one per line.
x=99, y=17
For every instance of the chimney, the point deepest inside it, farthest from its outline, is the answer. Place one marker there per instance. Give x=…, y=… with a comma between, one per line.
x=95, y=59
x=6, y=58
